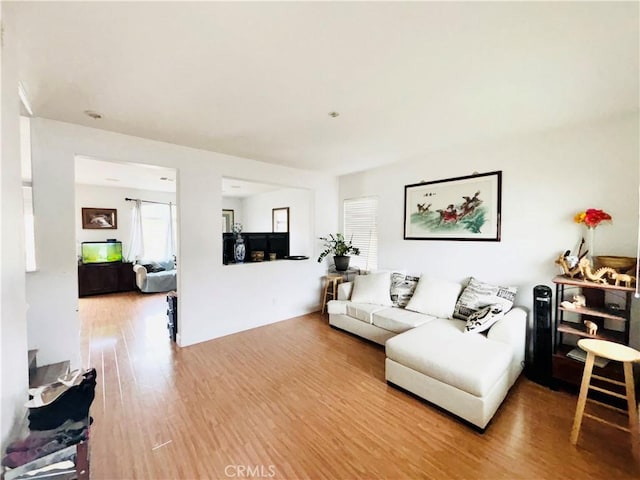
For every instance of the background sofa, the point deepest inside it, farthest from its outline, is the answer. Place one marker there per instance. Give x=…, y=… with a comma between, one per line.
x=465, y=365
x=152, y=277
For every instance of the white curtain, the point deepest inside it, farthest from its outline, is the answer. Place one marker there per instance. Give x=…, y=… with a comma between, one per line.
x=170, y=245
x=136, y=243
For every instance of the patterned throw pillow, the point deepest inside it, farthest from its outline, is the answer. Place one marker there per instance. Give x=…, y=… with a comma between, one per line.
x=479, y=294
x=402, y=288
x=484, y=318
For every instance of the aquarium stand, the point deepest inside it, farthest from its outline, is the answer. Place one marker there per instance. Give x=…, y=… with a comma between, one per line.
x=99, y=278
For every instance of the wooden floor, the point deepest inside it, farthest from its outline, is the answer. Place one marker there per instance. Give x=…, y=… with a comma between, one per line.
x=298, y=399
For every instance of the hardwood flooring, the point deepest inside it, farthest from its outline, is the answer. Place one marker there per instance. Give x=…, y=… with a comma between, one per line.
x=298, y=399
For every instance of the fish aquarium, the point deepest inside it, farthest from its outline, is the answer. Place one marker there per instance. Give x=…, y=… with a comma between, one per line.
x=101, y=252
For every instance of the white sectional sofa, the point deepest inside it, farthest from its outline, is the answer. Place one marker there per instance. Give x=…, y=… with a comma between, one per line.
x=467, y=371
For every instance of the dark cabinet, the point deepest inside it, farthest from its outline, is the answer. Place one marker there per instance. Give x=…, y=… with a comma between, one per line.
x=95, y=279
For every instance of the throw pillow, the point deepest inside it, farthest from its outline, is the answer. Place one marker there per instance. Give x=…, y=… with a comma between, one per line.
x=167, y=265
x=479, y=294
x=434, y=297
x=153, y=267
x=402, y=288
x=483, y=319
x=373, y=288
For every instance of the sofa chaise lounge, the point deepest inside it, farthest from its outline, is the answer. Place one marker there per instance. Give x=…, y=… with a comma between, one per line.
x=464, y=366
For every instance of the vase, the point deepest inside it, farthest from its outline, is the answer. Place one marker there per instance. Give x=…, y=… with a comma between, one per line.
x=341, y=262
x=590, y=243
x=239, y=250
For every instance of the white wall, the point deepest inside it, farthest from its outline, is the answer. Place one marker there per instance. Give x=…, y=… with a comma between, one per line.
x=214, y=299
x=257, y=213
x=13, y=328
x=547, y=178
x=93, y=196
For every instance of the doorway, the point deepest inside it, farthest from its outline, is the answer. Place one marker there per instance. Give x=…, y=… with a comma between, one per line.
x=134, y=225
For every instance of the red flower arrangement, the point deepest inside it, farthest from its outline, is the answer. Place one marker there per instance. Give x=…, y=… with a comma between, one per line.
x=592, y=217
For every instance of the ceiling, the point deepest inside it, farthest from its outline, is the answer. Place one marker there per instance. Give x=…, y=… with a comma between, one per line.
x=259, y=80
x=232, y=187
x=91, y=171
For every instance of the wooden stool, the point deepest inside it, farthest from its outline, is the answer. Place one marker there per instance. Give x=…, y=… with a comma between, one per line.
x=618, y=353
x=330, y=289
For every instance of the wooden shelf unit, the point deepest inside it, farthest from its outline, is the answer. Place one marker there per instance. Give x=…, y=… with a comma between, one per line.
x=595, y=312
x=580, y=330
x=566, y=370
x=566, y=333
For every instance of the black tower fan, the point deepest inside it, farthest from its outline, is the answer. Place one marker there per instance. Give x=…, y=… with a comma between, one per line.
x=542, y=336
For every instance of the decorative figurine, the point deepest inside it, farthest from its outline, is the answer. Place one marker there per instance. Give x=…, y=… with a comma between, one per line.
x=569, y=266
x=624, y=278
x=592, y=328
x=579, y=301
x=599, y=276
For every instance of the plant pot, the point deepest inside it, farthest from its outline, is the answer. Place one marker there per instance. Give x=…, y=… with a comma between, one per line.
x=341, y=262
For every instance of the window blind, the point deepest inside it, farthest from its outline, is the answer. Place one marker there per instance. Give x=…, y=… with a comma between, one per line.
x=361, y=226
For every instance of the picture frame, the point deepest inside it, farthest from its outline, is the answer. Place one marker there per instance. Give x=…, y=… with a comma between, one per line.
x=460, y=208
x=227, y=220
x=280, y=219
x=99, y=218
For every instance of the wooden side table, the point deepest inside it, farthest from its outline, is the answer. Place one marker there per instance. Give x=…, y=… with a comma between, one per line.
x=330, y=289
x=347, y=275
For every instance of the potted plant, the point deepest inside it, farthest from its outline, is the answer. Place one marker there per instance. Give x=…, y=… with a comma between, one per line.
x=340, y=249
